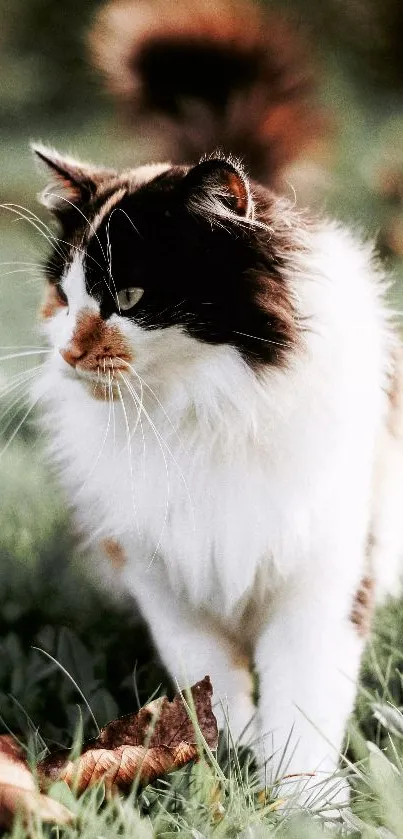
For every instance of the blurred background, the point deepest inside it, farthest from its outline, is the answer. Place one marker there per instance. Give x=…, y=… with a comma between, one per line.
x=49, y=92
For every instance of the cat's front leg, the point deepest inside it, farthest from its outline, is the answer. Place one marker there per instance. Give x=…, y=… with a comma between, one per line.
x=307, y=658
x=191, y=646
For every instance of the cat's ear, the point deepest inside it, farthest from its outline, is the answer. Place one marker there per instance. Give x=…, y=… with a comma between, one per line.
x=219, y=187
x=72, y=183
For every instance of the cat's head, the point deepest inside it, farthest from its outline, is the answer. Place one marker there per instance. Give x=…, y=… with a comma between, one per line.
x=154, y=265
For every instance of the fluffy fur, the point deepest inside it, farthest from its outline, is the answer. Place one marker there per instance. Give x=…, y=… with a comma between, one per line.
x=236, y=434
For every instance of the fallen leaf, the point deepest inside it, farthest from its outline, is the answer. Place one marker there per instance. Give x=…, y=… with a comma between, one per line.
x=18, y=791
x=142, y=747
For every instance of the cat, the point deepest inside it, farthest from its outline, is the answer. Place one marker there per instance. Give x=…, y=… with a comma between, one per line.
x=223, y=400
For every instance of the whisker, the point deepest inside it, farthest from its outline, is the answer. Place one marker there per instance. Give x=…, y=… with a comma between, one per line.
x=93, y=287
x=34, y=280
x=114, y=420
x=174, y=460
x=25, y=347
x=157, y=436
x=172, y=308
x=103, y=442
x=77, y=209
x=121, y=210
x=116, y=209
x=34, y=220
x=18, y=271
x=10, y=205
x=50, y=237
x=12, y=411
x=63, y=253
x=294, y=192
x=266, y=340
x=20, y=401
x=20, y=262
x=96, y=383
x=115, y=298
x=138, y=417
x=140, y=408
x=77, y=248
x=159, y=403
x=129, y=445
x=33, y=268
x=12, y=383
x=83, y=252
x=17, y=380
x=139, y=405
x=23, y=354
x=20, y=424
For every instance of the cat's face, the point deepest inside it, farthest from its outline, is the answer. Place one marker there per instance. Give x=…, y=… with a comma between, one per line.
x=155, y=265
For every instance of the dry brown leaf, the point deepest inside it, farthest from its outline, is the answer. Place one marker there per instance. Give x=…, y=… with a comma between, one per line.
x=18, y=792
x=142, y=747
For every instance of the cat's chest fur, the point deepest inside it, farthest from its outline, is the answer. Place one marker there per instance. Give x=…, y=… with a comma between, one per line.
x=204, y=507
x=208, y=507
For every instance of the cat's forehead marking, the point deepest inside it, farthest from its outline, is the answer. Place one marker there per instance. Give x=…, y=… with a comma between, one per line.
x=128, y=181
x=144, y=174
x=110, y=204
x=74, y=285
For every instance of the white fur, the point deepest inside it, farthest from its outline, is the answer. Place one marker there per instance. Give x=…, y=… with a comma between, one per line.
x=243, y=502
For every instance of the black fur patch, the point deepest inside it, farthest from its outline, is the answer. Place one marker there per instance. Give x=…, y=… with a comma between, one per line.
x=220, y=278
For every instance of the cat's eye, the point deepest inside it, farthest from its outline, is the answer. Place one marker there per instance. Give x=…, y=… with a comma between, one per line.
x=129, y=297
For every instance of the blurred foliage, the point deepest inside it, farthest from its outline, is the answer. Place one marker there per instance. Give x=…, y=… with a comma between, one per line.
x=43, y=67
x=364, y=36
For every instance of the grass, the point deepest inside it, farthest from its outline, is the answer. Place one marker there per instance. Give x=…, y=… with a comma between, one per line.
x=49, y=600
x=203, y=800
x=185, y=807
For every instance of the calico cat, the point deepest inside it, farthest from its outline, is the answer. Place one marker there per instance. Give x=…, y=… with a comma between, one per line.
x=223, y=399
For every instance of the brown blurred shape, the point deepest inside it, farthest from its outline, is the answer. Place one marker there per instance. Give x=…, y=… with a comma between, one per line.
x=224, y=75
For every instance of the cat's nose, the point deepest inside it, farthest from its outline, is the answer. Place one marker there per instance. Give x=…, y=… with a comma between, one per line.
x=72, y=354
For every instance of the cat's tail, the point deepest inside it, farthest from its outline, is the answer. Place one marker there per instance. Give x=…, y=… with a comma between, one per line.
x=217, y=74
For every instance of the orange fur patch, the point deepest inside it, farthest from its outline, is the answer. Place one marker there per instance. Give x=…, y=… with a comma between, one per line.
x=107, y=207
x=96, y=346
x=363, y=606
x=239, y=191
x=115, y=553
x=51, y=302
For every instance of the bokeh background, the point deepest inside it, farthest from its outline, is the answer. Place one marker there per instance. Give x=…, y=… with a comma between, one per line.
x=49, y=92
